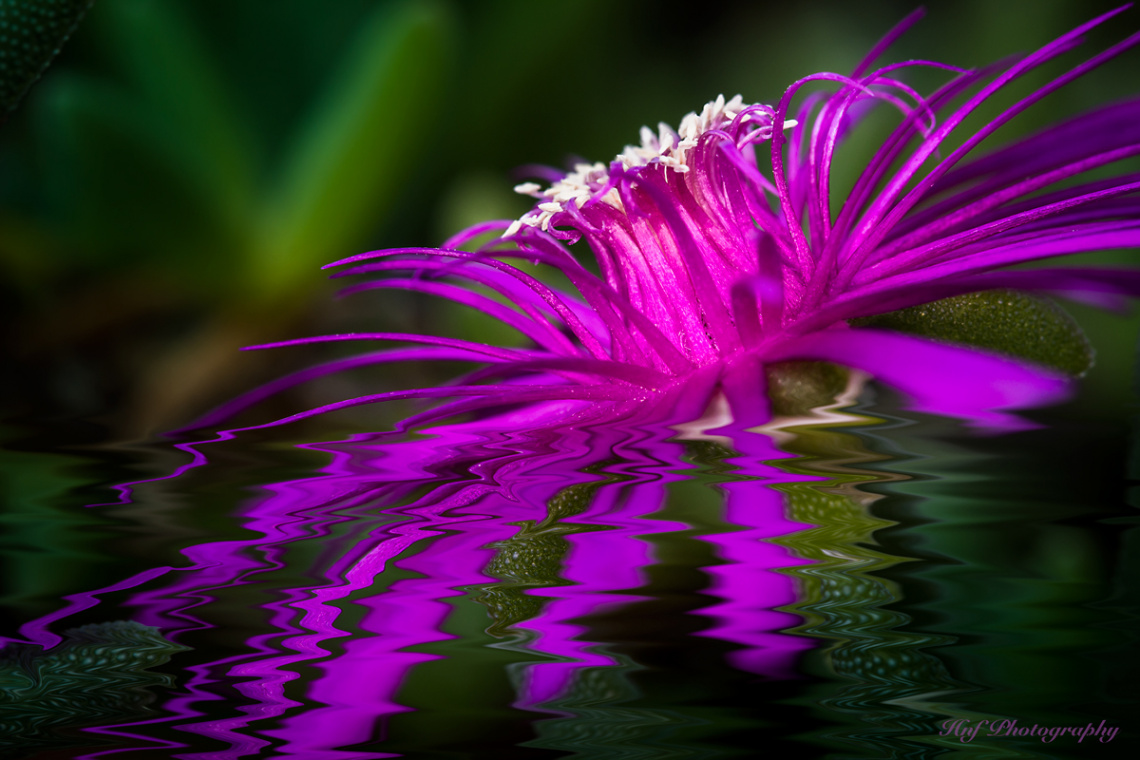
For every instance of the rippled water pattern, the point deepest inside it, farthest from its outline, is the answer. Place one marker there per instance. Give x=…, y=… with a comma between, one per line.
x=836, y=589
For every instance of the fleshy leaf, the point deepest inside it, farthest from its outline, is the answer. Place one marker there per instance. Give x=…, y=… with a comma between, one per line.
x=31, y=33
x=796, y=388
x=1006, y=321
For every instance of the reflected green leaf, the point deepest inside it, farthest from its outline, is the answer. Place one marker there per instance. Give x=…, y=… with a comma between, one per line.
x=533, y=559
x=99, y=673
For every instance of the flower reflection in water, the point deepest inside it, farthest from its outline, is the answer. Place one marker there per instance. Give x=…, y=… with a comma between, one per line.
x=412, y=561
x=530, y=525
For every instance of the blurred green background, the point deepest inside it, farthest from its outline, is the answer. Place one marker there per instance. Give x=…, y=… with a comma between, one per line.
x=172, y=184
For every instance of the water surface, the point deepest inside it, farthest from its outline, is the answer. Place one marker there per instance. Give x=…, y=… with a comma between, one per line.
x=845, y=588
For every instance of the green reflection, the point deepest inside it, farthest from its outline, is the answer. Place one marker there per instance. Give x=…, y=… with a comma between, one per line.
x=1025, y=560
x=100, y=674
x=533, y=559
x=886, y=687
x=606, y=716
x=964, y=579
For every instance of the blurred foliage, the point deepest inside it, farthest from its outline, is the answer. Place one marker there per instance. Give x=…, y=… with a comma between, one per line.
x=174, y=182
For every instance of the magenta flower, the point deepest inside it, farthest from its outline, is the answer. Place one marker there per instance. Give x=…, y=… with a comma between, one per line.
x=722, y=249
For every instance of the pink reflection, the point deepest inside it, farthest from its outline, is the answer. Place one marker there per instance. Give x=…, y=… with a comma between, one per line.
x=749, y=583
x=379, y=547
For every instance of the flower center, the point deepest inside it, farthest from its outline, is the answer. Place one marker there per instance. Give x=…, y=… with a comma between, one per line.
x=667, y=147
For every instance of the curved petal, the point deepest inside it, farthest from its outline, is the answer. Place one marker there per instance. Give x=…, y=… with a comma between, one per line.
x=941, y=378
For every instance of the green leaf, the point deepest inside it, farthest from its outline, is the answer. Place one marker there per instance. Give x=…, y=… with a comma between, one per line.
x=31, y=33
x=361, y=146
x=795, y=388
x=1005, y=321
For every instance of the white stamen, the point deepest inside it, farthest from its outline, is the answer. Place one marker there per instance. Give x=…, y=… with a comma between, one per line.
x=666, y=147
